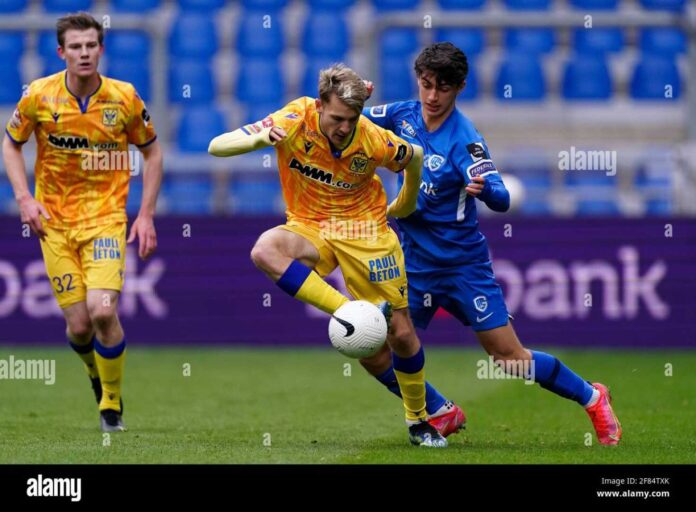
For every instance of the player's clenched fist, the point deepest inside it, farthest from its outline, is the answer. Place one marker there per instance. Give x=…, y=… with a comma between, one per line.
x=475, y=186
x=31, y=211
x=277, y=134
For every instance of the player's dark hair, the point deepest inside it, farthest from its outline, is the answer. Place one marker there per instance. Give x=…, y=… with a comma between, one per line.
x=446, y=61
x=78, y=21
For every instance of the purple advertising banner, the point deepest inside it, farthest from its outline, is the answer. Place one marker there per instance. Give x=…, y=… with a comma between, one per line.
x=568, y=282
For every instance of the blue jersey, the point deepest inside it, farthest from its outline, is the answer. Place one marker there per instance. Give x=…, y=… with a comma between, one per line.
x=443, y=232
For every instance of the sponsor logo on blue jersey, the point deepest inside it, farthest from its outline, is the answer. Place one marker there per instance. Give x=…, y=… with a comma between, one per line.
x=481, y=168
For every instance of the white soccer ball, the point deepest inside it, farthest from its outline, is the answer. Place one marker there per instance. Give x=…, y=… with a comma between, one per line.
x=358, y=329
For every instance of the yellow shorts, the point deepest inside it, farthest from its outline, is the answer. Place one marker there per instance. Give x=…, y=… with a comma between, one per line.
x=373, y=268
x=81, y=259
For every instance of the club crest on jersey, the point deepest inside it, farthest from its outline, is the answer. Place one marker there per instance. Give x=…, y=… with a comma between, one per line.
x=109, y=116
x=359, y=164
x=481, y=303
x=434, y=162
x=407, y=130
x=482, y=168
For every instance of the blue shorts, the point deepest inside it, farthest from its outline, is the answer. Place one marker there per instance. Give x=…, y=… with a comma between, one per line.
x=469, y=292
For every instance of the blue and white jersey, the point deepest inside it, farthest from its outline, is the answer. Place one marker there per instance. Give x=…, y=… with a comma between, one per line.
x=443, y=231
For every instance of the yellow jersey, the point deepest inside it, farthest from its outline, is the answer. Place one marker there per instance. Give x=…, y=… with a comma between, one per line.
x=324, y=185
x=83, y=165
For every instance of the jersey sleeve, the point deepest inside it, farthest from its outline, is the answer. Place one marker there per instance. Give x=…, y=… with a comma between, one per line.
x=23, y=121
x=380, y=115
x=140, y=129
x=289, y=118
x=474, y=159
x=391, y=151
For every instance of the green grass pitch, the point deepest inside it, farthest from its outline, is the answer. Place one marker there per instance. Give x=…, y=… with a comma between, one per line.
x=306, y=406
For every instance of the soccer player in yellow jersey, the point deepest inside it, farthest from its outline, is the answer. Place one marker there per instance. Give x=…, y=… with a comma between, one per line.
x=81, y=121
x=337, y=216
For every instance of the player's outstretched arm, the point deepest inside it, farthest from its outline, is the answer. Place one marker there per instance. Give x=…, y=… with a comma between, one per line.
x=246, y=139
x=144, y=225
x=407, y=200
x=30, y=209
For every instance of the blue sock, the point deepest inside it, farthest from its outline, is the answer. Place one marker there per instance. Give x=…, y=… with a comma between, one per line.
x=294, y=277
x=433, y=399
x=553, y=375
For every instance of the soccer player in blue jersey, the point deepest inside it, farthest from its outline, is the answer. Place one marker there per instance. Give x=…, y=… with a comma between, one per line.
x=447, y=258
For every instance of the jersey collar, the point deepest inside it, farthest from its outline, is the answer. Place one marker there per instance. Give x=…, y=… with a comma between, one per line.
x=85, y=105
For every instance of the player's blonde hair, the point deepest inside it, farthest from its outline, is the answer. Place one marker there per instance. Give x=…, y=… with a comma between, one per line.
x=345, y=83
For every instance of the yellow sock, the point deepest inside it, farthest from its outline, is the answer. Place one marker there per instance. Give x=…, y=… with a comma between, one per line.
x=410, y=374
x=86, y=353
x=412, y=386
x=306, y=285
x=110, y=362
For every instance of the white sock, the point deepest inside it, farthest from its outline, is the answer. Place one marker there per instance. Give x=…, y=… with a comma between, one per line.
x=593, y=400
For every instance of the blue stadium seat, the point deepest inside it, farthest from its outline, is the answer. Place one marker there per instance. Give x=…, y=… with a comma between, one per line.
x=65, y=6
x=7, y=199
x=666, y=41
x=47, y=44
x=201, y=5
x=258, y=111
x=332, y=5
x=135, y=195
x=326, y=35
x=254, y=194
x=52, y=66
x=456, y=5
x=537, y=186
x=132, y=44
x=528, y=5
x=13, y=5
x=11, y=45
x=595, y=192
x=395, y=5
x=134, y=5
x=260, y=81
x=399, y=42
x=310, y=78
x=10, y=84
x=264, y=4
x=191, y=82
x=397, y=80
x=471, y=41
x=471, y=91
x=137, y=72
x=667, y=5
x=188, y=194
x=193, y=35
x=586, y=77
x=198, y=126
x=254, y=39
x=520, y=78
x=595, y=5
x=653, y=77
x=598, y=40
x=525, y=40
x=591, y=206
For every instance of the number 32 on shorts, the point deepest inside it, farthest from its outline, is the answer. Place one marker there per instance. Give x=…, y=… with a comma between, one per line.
x=64, y=283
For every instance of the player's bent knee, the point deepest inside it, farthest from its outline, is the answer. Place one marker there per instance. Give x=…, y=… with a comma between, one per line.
x=264, y=255
x=102, y=316
x=80, y=329
x=402, y=340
